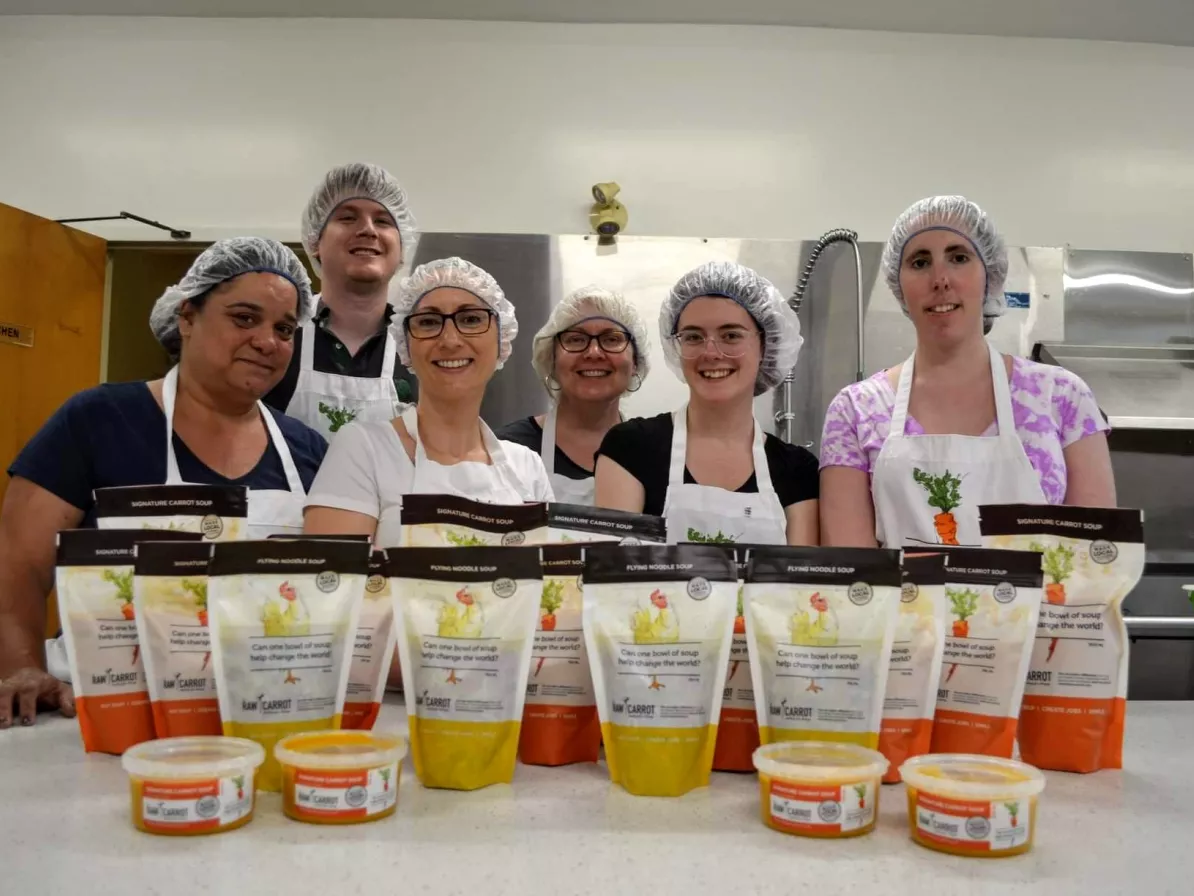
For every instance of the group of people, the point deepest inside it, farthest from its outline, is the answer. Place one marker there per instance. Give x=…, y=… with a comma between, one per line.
x=266, y=374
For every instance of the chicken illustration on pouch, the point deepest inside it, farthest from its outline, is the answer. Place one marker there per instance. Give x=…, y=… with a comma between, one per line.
x=461, y=619
x=655, y=624
x=817, y=628
x=285, y=616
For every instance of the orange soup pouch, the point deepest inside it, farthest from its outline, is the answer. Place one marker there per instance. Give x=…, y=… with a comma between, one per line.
x=94, y=578
x=374, y=649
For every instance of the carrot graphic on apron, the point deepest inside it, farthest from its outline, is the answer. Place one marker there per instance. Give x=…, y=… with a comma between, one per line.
x=945, y=496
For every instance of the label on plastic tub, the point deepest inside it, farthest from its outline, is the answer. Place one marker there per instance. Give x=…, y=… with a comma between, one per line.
x=974, y=825
x=820, y=809
x=202, y=805
x=352, y=793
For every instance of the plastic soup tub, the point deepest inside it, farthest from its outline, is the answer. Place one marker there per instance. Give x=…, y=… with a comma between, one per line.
x=819, y=789
x=192, y=785
x=967, y=805
x=340, y=777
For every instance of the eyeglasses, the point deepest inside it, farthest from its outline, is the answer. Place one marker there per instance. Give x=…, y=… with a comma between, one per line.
x=467, y=321
x=576, y=341
x=731, y=343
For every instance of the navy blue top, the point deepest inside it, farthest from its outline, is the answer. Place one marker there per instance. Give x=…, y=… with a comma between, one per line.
x=115, y=434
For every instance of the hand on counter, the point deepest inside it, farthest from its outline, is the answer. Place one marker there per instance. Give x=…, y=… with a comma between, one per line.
x=28, y=689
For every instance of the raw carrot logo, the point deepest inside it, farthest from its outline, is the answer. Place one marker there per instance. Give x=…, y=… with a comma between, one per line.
x=945, y=495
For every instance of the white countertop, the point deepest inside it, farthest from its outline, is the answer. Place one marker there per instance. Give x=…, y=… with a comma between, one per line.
x=64, y=828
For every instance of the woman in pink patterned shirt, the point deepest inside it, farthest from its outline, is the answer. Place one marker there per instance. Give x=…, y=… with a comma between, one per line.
x=908, y=455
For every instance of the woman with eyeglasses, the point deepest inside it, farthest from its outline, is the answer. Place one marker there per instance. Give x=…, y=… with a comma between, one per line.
x=591, y=352
x=708, y=467
x=458, y=329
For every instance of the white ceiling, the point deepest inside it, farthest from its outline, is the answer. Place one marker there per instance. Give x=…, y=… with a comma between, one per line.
x=1149, y=21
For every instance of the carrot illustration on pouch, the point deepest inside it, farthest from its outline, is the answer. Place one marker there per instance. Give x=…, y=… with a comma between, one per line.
x=739, y=629
x=964, y=602
x=1058, y=564
x=198, y=590
x=124, y=593
x=552, y=600
x=945, y=496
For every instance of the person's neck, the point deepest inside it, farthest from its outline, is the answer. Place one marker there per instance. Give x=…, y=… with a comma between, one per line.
x=208, y=407
x=957, y=361
x=724, y=420
x=592, y=417
x=450, y=429
x=355, y=313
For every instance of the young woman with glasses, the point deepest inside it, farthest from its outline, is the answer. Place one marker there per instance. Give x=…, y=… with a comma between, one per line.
x=590, y=353
x=708, y=467
x=458, y=329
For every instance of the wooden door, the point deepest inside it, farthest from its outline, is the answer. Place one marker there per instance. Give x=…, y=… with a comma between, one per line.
x=51, y=295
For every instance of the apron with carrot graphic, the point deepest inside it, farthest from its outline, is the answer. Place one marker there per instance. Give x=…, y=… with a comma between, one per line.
x=927, y=488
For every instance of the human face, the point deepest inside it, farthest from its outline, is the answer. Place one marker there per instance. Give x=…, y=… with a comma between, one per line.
x=360, y=244
x=594, y=375
x=451, y=365
x=241, y=338
x=943, y=281
x=711, y=376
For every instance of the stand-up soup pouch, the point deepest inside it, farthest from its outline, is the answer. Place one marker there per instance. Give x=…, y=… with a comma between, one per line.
x=432, y=521
x=994, y=599
x=819, y=625
x=283, y=616
x=465, y=621
x=916, y=653
x=170, y=598
x=94, y=578
x=559, y=723
x=1072, y=718
x=580, y=523
x=658, y=621
x=738, y=729
x=217, y=512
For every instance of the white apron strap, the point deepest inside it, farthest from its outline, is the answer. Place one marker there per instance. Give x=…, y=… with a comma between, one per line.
x=899, y=413
x=675, y=476
x=547, y=451
x=387, y=362
x=307, y=355
x=293, y=480
x=762, y=470
x=169, y=394
x=1005, y=417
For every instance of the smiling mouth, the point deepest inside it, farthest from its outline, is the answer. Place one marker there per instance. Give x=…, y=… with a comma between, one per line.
x=453, y=363
x=365, y=252
x=720, y=374
x=594, y=373
x=944, y=308
x=268, y=367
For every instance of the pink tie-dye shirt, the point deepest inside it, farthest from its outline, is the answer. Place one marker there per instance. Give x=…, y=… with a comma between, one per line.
x=1053, y=408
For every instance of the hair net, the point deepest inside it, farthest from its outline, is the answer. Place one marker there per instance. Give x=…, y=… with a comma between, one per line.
x=588, y=303
x=761, y=300
x=963, y=217
x=219, y=263
x=358, y=181
x=460, y=274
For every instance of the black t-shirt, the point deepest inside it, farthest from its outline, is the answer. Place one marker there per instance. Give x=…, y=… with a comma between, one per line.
x=643, y=447
x=115, y=434
x=332, y=357
x=528, y=432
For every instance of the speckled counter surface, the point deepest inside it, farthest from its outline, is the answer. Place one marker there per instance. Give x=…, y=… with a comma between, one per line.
x=64, y=828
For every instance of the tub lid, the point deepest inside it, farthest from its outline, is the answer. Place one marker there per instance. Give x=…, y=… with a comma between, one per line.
x=808, y=760
x=345, y=749
x=967, y=776
x=193, y=757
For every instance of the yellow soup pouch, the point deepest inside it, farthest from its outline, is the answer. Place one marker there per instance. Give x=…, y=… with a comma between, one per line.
x=448, y=521
x=993, y=598
x=738, y=729
x=94, y=578
x=170, y=599
x=465, y=620
x=579, y=523
x=216, y=512
x=283, y=616
x=658, y=621
x=559, y=722
x=819, y=626
x=1072, y=717
x=911, y=698
x=374, y=648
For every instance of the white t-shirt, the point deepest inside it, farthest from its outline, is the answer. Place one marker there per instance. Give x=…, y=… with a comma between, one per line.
x=367, y=470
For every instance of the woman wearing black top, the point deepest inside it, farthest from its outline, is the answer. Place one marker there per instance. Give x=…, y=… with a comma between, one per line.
x=708, y=467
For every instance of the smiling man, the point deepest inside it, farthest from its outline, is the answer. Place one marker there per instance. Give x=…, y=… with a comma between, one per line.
x=358, y=231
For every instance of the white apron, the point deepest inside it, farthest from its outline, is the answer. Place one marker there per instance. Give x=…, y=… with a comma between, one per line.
x=271, y=511
x=494, y=483
x=956, y=473
x=566, y=490
x=328, y=401
x=707, y=513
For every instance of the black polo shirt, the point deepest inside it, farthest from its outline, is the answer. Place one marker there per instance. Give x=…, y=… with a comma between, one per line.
x=331, y=356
